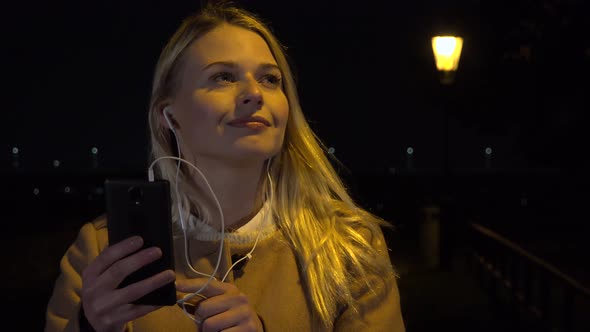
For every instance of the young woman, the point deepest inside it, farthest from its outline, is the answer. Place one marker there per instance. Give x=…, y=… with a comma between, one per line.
x=254, y=183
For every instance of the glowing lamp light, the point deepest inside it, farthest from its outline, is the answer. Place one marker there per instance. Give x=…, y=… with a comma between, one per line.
x=447, y=52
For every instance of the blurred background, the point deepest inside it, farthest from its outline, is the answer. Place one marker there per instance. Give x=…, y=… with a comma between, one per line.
x=484, y=176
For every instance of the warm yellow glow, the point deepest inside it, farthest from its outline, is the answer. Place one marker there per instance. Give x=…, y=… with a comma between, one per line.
x=447, y=51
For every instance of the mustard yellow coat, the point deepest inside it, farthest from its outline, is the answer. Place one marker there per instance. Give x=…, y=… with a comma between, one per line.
x=271, y=280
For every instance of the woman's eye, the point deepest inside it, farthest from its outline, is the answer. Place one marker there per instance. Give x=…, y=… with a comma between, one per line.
x=271, y=80
x=223, y=77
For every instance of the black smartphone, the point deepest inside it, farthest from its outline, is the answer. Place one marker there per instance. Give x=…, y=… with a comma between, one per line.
x=140, y=207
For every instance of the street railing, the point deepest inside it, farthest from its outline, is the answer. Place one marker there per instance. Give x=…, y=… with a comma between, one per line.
x=526, y=289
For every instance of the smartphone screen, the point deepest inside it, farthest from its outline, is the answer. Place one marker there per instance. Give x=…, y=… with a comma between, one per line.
x=140, y=207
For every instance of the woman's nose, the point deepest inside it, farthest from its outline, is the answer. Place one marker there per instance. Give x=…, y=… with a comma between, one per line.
x=250, y=93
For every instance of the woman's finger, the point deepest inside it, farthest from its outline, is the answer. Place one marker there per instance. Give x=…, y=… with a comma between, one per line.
x=240, y=315
x=137, y=290
x=221, y=303
x=214, y=287
x=190, y=301
x=118, y=271
x=110, y=255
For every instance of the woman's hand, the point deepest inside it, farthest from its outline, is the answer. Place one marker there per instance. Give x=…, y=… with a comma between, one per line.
x=107, y=308
x=224, y=308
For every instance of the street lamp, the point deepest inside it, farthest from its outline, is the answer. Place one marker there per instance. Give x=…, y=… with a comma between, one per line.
x=447, y=52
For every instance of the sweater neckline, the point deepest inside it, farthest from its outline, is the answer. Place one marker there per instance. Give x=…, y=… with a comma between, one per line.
x=261, y=225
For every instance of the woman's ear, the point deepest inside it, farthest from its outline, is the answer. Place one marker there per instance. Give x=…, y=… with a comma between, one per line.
x=167, y=118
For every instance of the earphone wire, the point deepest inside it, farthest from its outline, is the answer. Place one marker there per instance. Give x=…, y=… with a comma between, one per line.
x=266, y=214
x=212, y=276
x=248, y=256
x=182, y=223
x=187, y=257
x=151, y=179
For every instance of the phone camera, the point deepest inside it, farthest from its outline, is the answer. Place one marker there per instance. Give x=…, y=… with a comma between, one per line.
x=135, y=195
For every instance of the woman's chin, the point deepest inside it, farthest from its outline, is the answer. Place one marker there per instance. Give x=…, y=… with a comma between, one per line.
x=254, y=151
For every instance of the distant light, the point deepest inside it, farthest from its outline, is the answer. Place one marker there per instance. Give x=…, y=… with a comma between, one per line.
x=447, y=51
x=331, y=150
x=56, y=163
x=67, y=190
x=15, y=150
x=488, y=151
x=410, y=150
x=94, y=150
x=36, y=191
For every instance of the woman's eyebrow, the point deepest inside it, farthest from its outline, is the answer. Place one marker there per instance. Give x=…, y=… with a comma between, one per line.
x=220, y=63
x=268, y=66
x=263, y=66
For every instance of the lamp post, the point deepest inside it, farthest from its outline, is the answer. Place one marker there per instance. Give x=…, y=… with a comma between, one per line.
x=447, y=52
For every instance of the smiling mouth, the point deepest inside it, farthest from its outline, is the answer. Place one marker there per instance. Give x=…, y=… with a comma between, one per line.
x=254, y=122
x=249, y=125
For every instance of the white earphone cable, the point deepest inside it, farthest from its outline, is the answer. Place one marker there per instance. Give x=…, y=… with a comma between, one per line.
x=182, y=223
x=151, y=178
x=266, y=214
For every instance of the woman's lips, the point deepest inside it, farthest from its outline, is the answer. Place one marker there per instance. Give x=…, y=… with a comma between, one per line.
x=250, y=125
x=251, y=122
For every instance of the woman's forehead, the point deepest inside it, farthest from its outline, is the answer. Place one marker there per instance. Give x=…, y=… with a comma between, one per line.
x=228, y=43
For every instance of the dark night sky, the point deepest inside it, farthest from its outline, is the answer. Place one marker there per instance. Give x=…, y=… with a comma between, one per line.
x=77, y=74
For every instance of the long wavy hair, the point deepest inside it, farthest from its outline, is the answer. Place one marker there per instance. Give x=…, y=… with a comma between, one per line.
x=312, y=207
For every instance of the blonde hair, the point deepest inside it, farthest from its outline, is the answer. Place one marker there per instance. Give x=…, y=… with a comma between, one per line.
x=311, y=204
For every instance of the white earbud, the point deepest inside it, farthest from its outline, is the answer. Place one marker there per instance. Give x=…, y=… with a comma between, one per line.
x=168, y=109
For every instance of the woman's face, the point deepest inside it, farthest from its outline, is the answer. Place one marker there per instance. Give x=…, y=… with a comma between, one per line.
x=230, y=106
